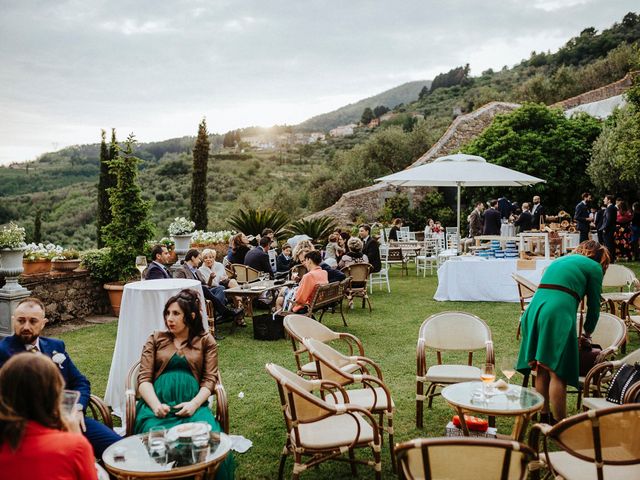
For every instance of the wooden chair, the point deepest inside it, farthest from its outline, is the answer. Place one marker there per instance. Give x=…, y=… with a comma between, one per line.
x=319, y=429
x=395, y=256
x=463, y=458
x=618, y=276
x=526, y=290
x=300, y=327
x=597, y=381
x=359, y=273
x=328, y=296
x=371, y=394
x=632, y=313
x=600, y=444
x=448, y=331
x=245, y=274
x=132, y=395
x=98, y=410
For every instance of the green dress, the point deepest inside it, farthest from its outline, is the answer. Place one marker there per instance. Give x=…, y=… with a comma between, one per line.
x=176, y=385
x=549, y=323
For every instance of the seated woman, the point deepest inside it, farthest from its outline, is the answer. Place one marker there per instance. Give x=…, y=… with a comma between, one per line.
x=395, y=228
x=239, y=246
x=354, y=253
x=315, y=276
x=214, y=272
x=35, y=440
x=179, y=371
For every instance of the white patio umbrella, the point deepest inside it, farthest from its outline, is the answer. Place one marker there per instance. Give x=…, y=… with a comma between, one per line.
x=459, y=170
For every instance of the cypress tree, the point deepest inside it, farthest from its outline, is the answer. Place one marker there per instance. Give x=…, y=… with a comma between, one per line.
x=199, y=179
x=106, y=181
x=37, y=227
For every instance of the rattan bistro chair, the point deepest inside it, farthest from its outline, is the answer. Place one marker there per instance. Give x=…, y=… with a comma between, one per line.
x=448, y=331
x=245, y=274
x=463, y=458
x=618, y=276
x=598, y=444
x=372, y=393
x=320, y=429
x=133, y=395
x=359, y=273
x=597, y=381
x=300, y=327
x=632, y=312
x=526, y=290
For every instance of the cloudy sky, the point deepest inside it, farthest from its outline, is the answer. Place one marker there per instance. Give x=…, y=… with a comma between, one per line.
x=155, y=67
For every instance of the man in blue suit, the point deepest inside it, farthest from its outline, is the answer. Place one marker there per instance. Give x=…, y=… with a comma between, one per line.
x=28, y=322
x=157, y=268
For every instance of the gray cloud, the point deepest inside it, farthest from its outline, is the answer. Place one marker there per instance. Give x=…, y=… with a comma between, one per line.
x=72, y=67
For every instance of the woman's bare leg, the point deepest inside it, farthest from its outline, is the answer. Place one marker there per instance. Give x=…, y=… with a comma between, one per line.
x=542, y=386
x=558, y=396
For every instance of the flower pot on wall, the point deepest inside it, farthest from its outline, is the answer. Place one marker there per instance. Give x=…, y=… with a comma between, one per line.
x=36, y=267
x=115, y=290
x=182, y=242
x=65, y=265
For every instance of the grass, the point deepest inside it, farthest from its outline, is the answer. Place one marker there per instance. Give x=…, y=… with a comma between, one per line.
x=389, y=336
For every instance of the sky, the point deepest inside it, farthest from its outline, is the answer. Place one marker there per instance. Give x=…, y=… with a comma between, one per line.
x=69, y=68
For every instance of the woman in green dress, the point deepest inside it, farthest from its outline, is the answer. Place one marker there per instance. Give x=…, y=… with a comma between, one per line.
x=549, y=339
x=179, y=371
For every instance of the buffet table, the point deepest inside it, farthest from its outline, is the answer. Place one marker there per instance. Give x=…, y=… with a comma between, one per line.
x=476, y=279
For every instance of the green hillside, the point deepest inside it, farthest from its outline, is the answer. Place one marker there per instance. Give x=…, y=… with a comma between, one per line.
x=300, y=179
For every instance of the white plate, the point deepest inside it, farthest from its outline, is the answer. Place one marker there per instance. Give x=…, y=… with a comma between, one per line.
x=187, y=430
x=257, y=288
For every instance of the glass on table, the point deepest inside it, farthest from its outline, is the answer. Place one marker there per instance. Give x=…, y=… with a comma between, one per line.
x=488, y=376
x=200, y=447
x=157, y=444
x=141, y=264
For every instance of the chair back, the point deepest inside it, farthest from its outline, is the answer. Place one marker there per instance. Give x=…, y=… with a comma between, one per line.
x=631, y=358
x=329, y=361
x=618, y=276
x=328, y=294
x=299, y=269
x=131, y=382
x=455, y=331
x=300, y=326
x=607, y=436
x=610, y=331
x=463, y=458
x=245, y=274
x=395, y=255
x=359, y=272
x=526, y=289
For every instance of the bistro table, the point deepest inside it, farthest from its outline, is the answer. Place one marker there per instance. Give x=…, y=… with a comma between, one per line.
x=520, y=402
x=250, y=291
x=129, y=459
x=140, y=315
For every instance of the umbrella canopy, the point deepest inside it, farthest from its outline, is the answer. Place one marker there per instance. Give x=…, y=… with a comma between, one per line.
x=459, y=170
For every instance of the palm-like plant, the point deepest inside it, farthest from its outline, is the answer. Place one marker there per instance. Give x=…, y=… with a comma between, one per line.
x=316, y=228
x=253, y=222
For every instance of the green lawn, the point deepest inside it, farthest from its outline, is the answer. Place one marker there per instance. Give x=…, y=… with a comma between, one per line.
x=389, y=335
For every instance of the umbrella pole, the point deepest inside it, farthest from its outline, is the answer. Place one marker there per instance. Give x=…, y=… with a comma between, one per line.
x=459, y=233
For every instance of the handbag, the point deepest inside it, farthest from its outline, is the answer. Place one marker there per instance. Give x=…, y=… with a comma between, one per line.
x=268, y=327
x=588, y=352
x=625, y=377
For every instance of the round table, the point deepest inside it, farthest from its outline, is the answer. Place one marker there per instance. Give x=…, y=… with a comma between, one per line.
x=522, y=404
x=138, y=464
x=140, y=315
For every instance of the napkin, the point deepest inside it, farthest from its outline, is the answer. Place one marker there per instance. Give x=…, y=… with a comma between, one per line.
x=500, y=385
x=240, y=444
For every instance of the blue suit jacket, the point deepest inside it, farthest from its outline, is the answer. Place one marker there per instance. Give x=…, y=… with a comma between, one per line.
x=73, y=379
x=156, y=272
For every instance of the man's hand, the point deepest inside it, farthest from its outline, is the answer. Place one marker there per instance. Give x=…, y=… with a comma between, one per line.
x=75, y=421
x=185, y=409
x=161, y=410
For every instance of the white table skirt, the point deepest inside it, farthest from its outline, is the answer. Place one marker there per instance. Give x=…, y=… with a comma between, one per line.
x=478, y=280
x=140, y=315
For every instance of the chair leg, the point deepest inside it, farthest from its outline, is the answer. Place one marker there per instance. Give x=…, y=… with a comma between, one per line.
x=376, y=458
x=369, y=302
x=392, y=449
x=419, y=404
x=431, y=391
x=297, y=464
x=344, y=320
x=283, y=460
x=352, y=461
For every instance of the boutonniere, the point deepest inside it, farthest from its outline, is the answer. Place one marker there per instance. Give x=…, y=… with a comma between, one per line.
x=58, y=358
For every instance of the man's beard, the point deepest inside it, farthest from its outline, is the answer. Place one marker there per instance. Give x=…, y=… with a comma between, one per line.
x=27, y=338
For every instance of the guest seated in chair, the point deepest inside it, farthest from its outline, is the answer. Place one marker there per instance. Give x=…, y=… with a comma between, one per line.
x=239, y=246
x=354, y=253
x=258, y=257
x=36, y=439
x=179, y=371
x=214, y=272
x=315, y=276
x=28, y=322
x=284, y=260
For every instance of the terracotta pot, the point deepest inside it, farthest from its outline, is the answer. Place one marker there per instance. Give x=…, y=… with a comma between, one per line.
x=65, y=265
x=115, y=290
x=36, y=267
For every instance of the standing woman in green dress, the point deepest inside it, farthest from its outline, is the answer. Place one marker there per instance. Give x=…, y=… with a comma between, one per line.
x=179, y=371
x=549, y=339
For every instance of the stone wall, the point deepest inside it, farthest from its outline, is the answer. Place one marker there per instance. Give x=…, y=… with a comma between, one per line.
x=602, y=93
x=68, y=296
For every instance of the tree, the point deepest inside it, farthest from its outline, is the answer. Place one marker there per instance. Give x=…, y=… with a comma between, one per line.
x=105, y=181
x=544, y=143
x=423, y=93
x=37, y=226
x=129, y=228
x=379, y=111
x=199, y=178
x=367, y=116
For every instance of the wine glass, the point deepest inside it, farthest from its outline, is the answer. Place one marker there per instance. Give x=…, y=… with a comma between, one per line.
x=487, y=376
x=508, y=369
x=141, y=264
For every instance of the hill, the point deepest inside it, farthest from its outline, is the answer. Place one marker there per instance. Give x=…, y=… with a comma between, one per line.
x=405, y=93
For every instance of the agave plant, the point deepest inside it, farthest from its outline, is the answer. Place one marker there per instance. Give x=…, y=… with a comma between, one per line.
x=316, y=228
x=253, y=222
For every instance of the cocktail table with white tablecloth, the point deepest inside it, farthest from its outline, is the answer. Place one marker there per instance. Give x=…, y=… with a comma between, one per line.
x=140, y=315
x=473, y=279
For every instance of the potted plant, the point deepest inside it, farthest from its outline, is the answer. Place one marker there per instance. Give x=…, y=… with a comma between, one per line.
x=181, y=231
x=67, y=261
x=37, y=258
x=218, y=241
x=12, y=247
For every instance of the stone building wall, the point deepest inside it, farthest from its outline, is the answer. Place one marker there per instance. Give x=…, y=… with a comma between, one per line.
x=602, y=93
x=69, y=296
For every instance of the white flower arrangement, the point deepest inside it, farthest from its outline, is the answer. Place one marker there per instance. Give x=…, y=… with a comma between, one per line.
x=181, y=226
x=12, y=236
x=40, y=251
x=58, y=358
x=221, y=236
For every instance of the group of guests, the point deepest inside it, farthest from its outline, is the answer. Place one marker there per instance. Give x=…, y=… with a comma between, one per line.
x=617, y=225
x=178, y=374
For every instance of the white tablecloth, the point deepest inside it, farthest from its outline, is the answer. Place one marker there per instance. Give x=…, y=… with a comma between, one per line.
x=507, y=230
x=140, y=314
x=478, y=280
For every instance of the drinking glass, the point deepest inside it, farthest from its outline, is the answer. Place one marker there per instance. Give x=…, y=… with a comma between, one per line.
x=508, y=369
x=200, y=445
x=141, y=264
x=487, y=376
x=69, y=400
x=157, y=444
